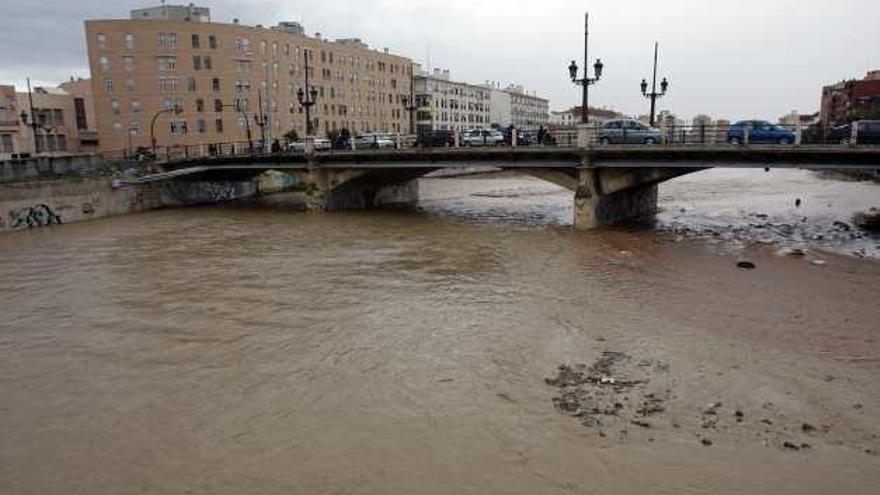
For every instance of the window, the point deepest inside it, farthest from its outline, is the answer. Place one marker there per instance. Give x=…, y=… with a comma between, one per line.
x=79, y=106
x=197, y=62
x=242, y=86
x=218, y=125
x=201, y=126
x=172, y=103
x=129, y=41
x=215, y=84
x=263, y=48
x=191, y=84
x=242, y=45
x=102, y=40
x=241, y=104
x=105, y=63
x=212, y=41
x=195, y=41
x=168, y=40
x=134, y=128
x=167, y=85
x=6, y=143
x=243, y=66
x=114, y=105
x=218, y=106
x=200, y=105
x=135, y=106
x=275, y=50
x=129, y=85
x=207, y=61
x=108, y=84
x=166, y=63
x=128, y=63
x=178, y=126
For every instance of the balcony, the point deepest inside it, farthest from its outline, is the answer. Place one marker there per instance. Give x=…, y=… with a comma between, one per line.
x=7, y=123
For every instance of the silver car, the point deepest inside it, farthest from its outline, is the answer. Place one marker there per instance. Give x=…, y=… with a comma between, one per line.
x=629, y=131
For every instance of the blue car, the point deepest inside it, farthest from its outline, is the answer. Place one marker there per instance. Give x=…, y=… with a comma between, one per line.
x=760, y=132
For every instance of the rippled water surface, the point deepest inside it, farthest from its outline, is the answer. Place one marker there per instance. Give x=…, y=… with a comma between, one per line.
x=239, y=350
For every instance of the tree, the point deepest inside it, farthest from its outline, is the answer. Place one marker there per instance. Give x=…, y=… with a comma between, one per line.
x=291, y=136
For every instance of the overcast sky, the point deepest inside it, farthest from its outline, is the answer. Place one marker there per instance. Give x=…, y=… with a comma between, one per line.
x=731, y=59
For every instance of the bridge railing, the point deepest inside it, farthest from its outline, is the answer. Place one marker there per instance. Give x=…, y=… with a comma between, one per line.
x=721, y=135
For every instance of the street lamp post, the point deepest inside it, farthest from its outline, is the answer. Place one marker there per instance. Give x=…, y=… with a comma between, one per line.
x=175, y=109
x=654, y=95
x=247, y=124
x=261, y=120
x=586, y=81
x=409, y=104
x=308, y=97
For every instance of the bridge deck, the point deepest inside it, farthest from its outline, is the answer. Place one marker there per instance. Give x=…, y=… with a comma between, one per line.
x=661, y=157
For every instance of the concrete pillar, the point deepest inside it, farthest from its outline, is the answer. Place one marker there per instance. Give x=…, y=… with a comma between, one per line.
x=854, y=139
x=456, y=138
x=593, y=208
x=513, y=138
x=586, y=135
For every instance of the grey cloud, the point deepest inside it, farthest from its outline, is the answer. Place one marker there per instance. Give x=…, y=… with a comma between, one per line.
x=732, y=59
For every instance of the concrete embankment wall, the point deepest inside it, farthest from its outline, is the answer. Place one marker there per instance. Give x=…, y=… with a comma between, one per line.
x=44, y=203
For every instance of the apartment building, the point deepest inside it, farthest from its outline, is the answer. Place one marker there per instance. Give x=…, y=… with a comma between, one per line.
x=84, y=112
x=848, y=100
x=54, y=114
x=573, y=115
x=447, y=105
x=513, y=105
x=228, y=79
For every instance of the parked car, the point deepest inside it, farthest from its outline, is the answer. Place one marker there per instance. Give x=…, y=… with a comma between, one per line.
x=373, y=140
x=868, y=133
x=522, y=138
x=629, y=131
x=436, y=139
x=760, y=132
x=483, y=137
x=321, y=144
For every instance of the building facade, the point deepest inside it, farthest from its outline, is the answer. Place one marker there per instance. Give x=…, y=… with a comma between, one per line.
x=848, y=100
x=54, y=112
x=84, y=107
x=514, y=106
x=446, y=105
x=572, y=116
x=231, y=80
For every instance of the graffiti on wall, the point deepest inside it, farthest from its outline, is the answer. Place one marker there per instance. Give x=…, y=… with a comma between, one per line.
x=40, y=215
x=192, y=193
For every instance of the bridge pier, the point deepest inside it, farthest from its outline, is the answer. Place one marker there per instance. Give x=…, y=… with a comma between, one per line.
x=595, y=205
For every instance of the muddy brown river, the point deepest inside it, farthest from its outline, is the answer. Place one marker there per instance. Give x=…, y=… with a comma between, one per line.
x=474, y=345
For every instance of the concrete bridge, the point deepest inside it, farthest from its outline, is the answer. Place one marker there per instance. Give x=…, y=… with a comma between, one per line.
x=609, y=183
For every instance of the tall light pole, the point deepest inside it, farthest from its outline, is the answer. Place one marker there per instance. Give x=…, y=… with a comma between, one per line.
x=409, y=104
x=586, y=81
x=654, y=95
x=308, y=97
x=261, y=120
x=247, y=123
x=33, y=123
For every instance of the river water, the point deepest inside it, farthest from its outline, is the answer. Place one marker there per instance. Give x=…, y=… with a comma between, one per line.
x=476, y=344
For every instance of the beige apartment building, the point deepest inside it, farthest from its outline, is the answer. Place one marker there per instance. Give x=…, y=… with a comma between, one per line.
x=222, y=75
x=56, y=115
